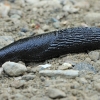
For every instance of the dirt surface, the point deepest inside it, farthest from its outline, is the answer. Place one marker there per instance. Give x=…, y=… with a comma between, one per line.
x=23, y=19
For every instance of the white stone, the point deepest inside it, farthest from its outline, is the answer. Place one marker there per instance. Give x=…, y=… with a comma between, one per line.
x=45, y=66
x=65, y=66
x=14, y=69
x=69, y=73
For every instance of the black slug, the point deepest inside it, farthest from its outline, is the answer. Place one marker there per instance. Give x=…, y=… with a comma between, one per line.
x=52, y=44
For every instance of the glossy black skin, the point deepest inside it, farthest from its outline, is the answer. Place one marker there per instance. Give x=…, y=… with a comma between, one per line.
x=52, y=44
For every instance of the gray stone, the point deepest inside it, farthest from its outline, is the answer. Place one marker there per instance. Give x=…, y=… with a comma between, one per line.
x=14, y=69
x=54, y=20
x=56, y=25
x=28, y=77
x=16, y=16
x=84, y=67
x=21, y=33
x=94, y=55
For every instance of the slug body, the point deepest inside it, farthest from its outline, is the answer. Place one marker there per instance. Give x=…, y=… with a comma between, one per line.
x=52, y=44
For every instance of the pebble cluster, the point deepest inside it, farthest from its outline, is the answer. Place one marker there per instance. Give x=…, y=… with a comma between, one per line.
x=71, y=77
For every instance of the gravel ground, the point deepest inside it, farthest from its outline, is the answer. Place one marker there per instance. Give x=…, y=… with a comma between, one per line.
x=69, y=77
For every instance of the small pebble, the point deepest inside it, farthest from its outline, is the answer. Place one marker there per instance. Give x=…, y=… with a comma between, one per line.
x=17, y=84
x=56, y=25
x=82, y=80
x=88, y=60
x=28, y=77
x=64, y=23
x=54, y=20
x=32, y=25
x=75, y=85
x=24, y=30
x=55, y=93
x=94, y=55
x=21, y=33
x=45, y=66
x=16, y=16
x=45, y=27
x=14, y=69
x=97, y=86
x=65, y=66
